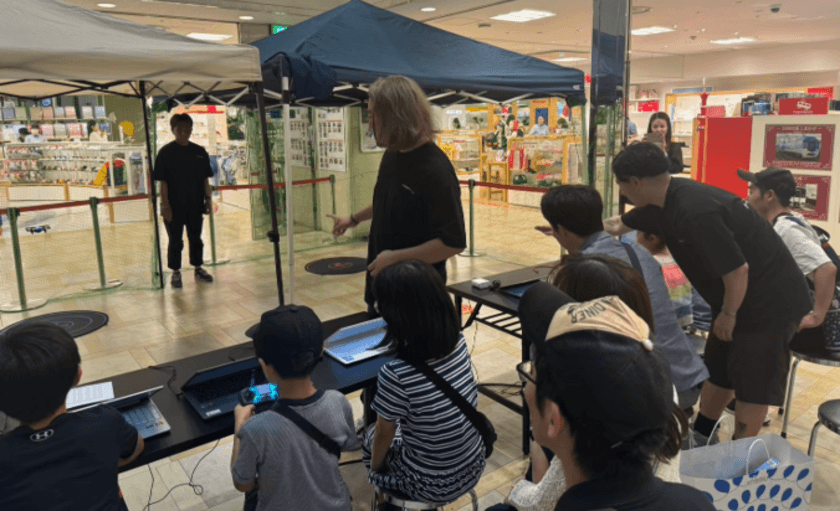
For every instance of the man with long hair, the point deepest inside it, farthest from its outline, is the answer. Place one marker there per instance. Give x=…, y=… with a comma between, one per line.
x=416, y=211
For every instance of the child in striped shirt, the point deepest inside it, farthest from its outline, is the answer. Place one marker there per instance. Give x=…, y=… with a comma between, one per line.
x=422, y=445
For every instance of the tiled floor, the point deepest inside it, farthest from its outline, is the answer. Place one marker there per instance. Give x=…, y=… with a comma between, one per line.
x=152, y=327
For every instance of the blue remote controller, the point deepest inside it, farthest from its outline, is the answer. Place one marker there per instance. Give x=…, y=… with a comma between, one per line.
x=258, y=394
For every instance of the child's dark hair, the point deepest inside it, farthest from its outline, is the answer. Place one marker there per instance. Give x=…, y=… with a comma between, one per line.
x=593, y=450
x=177, y=119
x=578, y=208
x=39, y=363
x=412, y=299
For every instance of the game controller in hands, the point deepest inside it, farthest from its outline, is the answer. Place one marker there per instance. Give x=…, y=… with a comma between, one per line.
x=258, y=394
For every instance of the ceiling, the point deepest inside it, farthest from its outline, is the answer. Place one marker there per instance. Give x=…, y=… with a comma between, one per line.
x=695, y=23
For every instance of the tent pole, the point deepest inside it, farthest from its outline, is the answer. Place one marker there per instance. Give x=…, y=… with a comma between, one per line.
x=151, y=184
x=290, y=201
x=273, y=235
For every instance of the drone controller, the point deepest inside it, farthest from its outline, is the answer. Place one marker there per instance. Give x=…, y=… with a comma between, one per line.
x=259, y=394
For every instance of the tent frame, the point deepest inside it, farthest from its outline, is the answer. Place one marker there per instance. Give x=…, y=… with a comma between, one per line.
x=143, y=93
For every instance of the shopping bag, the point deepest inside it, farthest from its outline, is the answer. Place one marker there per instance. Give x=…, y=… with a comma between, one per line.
x=751, y=474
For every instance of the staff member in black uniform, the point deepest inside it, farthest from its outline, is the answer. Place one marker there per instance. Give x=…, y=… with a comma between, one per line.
x=739, y=265
x=416, y=211
x=183, y=168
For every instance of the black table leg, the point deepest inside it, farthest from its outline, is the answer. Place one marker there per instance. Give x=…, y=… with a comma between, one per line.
x=458, y=304
x=526, y=416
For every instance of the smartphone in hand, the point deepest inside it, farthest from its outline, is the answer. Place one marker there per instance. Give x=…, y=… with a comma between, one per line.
x=653, y=138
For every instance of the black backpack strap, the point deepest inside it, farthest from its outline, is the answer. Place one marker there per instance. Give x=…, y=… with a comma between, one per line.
x=634, y=259
x=460, y=401
x=327, y=443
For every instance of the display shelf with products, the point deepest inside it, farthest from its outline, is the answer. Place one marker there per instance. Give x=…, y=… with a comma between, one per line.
x=463, y=149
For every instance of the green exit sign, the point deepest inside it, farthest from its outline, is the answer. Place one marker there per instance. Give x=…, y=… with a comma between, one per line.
x=276, y=29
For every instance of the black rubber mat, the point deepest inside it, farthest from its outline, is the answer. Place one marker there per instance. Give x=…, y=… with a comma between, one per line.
x=337, y=266
x=77, y=323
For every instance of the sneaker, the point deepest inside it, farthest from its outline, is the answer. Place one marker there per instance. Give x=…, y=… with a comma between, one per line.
x=176, y=281
x=202, y=275
x=767, y=420
x=697, y=439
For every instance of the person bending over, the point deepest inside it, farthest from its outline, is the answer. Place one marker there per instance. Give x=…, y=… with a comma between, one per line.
x=738, y=264
x=183, y=168
x=601, y=399
x=574, y=216
x=274, y=461
x=422, y=445
x=416, y=211
x=55, y=459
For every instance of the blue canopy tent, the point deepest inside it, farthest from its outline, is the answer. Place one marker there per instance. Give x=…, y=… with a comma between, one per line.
x=331, y=57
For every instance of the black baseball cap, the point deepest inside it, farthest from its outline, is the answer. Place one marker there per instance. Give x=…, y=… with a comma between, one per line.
x=289, y=338
x=772, y=178
x=601, y=350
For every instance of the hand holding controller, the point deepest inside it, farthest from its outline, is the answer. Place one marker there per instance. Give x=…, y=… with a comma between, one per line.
x=258, y=394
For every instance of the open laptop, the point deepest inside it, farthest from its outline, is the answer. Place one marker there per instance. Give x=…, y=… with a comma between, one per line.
x=518, y=290
x=140, y=411
x=214, y=392
x=358, y=342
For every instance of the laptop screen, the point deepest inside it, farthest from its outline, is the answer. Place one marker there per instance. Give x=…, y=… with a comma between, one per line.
x=220, y=371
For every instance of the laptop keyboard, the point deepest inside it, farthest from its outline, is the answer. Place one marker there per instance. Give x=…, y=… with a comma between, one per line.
x=145, y=419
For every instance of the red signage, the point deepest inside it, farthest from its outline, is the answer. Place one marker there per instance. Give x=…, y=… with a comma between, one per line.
x=826, y=92
x=803, y=106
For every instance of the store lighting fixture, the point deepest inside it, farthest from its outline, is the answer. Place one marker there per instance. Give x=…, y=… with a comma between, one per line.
x=651, y=30
x=738, y=40
x=569, y=59
x=106, y=6
x=523, y=16
x=208, y=37
x=246, y=18
x=428, y=9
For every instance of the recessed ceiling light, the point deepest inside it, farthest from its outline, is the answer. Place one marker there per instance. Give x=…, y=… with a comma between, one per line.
x=569, y=59
x=523, y=16
x=246, y=18
x=651, y=30
x=106, y=6
x=208, y=37
x=739, y=40
x=428, y=9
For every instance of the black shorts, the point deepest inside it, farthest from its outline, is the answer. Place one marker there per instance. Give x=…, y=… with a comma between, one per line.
x=754, y=364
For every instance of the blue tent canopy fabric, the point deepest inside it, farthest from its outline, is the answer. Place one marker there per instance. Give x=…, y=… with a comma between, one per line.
x=357, y=43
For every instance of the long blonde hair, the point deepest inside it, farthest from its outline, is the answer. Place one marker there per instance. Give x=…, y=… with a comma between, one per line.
x=402, y=112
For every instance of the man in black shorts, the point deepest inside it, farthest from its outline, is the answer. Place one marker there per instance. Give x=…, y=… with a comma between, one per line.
x=739, y=265
x=416, y=211
x=183, y=168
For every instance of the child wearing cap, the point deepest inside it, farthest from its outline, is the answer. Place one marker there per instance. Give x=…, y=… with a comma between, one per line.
x=55, y=459
x=601, y=398
x=422, y=445
x=271, y=454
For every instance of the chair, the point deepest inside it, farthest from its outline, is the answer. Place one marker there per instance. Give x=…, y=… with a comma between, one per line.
x=828, y=416
x=814, y=354
x=403, y=501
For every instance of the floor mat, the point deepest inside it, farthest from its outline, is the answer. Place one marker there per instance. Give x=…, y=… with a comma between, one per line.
x=77, y=323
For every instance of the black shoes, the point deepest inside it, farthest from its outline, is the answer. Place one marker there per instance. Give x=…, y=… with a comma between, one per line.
x=202, y=275
x=176, y=281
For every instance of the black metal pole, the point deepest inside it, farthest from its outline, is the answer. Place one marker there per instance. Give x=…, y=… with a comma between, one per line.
x=151, y=184
x=273, y=235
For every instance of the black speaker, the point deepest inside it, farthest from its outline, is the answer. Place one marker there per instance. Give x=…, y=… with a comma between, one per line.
x=609, y=44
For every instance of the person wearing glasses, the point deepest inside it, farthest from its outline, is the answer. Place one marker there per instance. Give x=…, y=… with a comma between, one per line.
x=601, y=399
x=416, y=211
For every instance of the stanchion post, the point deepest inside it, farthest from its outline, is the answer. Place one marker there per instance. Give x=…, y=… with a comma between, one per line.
x=472, y=220
x=332, y=191
x=13, y=216
x=100, y=257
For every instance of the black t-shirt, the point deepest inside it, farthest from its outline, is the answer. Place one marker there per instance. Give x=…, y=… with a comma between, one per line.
x=417, y=198
x=185, y=170
x=675, y=157
x=71, y=465
x=711, y=232
x=643, y=492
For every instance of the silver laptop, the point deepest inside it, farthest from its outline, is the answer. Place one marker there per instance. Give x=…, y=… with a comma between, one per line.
x=140, y=411
x=358, y=342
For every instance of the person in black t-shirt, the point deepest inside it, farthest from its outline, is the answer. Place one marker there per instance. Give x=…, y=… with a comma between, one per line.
x=416, y=211
x=183, y=168
x=739, y=265
x=56, y=460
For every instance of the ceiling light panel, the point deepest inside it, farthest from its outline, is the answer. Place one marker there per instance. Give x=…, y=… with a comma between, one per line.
x=739, y=40
x=523, y=16
x=651, y=30
x=106, y=6
x=208, y=37
x=570, y=59
x=428, y=9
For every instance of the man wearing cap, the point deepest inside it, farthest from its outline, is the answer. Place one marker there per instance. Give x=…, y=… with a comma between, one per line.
x=739, y=265
x=601, y=398
x=769, y=193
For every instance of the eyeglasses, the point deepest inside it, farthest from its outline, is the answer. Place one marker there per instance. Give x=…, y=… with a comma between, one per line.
x=524, y=370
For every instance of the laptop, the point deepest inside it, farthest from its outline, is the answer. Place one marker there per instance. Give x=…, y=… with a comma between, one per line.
x=140, y=411
x=518, y=290
x=358, y=342
x=214, y=392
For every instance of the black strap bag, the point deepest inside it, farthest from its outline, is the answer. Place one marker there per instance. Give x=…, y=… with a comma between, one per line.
x=479, y=421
